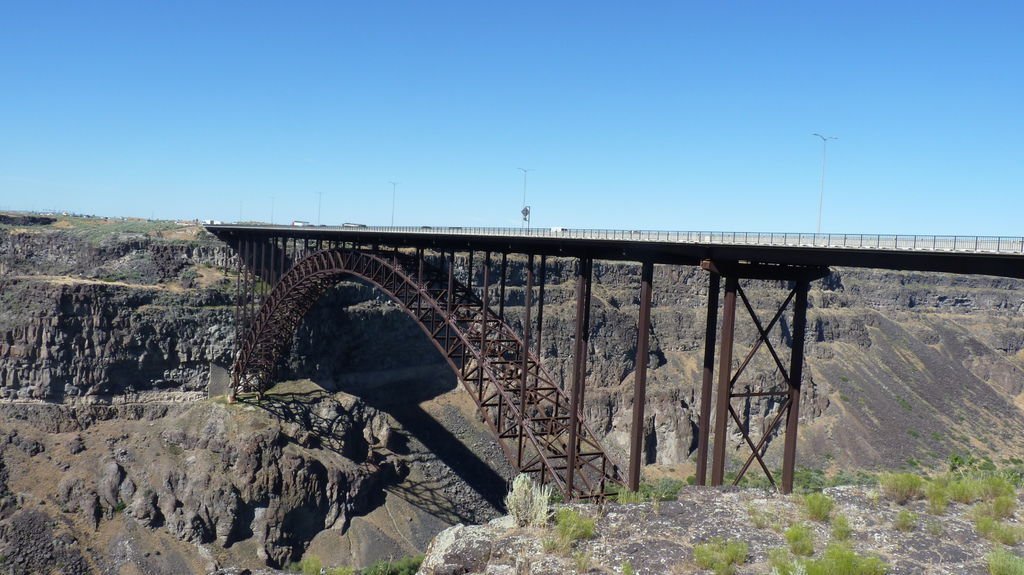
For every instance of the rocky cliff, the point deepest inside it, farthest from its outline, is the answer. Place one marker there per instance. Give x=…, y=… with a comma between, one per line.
x=103, y=322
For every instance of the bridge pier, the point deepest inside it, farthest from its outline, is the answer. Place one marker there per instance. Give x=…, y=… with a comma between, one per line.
x=636, y=435
x=708, y=377
x=800, y=278
x=525, y=356
x=584, y=273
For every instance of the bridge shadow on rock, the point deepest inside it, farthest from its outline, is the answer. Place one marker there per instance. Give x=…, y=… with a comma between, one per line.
x=325, y=421
x=357, y=341
x=442, y=432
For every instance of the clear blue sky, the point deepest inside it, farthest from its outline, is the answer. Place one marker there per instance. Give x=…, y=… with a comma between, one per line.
x=681, y=115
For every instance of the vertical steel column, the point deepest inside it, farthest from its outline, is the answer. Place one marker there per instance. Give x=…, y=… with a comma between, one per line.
x=483, y=326
x=238, y=300
x=451, y=282
x=284, y=260
x=469, y=280
x=250, y=289
x=636, y=433
x=525, y=353
x=272, y=270
x=796, y=370
x=724, y=380
x=579, y=372
x=708, y=378
x=261, y=268
x=419, y=271
x=501, y=293
x=540, y=304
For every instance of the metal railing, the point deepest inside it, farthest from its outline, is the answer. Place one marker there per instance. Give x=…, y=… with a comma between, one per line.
x=966, y=244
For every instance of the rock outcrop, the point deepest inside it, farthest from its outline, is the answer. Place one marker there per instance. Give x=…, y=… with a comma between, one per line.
x=659, y=538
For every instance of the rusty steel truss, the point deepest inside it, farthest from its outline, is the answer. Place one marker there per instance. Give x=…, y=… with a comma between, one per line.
x=539, y=425
x=787, y=396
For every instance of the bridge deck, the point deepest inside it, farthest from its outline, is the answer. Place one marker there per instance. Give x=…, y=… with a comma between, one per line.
x=985, y=255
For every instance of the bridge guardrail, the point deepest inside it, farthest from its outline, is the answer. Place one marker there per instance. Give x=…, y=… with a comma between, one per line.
x=965, y=244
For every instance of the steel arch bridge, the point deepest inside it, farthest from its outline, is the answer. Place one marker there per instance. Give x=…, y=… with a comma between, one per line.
x=539, y=427
x=281, y=270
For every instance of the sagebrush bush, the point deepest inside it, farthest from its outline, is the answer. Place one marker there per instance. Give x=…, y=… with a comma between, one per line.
x=720, y=556
x=901, y=487
x=528, y=502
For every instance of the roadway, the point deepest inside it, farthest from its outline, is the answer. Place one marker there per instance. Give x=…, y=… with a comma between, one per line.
x=984, y=255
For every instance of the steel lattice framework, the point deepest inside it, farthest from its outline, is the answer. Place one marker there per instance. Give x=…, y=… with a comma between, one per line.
x=519, y=400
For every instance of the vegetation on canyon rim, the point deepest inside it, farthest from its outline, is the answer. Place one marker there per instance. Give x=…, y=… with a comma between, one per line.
x=988, y=494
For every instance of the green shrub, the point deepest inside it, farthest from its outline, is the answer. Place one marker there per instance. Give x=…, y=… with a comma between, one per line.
x=571, y=526
x=720, y=556
x=662, y=490
x=995, y=486
x=625, y=497
x=309, y=565
x=1003, y=507
x=527, y=502
x=800, y=540
x=760, y=518
x=988, y=527
x=841, y=530
x=839, y=559
x=627, y=568
x=818, y=506
x=581, y=560
x=938, y=497
x=905, y=521
x=780, y=562
x=965, y=490
x=901, y=487
x=403, y=566
x=1001, y=562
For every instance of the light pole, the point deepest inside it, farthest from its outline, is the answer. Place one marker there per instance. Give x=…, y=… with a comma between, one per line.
x=271, y=210
x=526, y=208
x=319, y=203
x=394, y=194
x=824, y=153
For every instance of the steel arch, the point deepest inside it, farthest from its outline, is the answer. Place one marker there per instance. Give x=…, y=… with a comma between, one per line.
x=484, y=351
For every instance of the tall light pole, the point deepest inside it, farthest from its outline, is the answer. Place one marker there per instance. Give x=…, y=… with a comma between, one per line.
x=319, y=203
x=394, y=194
x=526, y=208
x=824, y=154
x=271, y=210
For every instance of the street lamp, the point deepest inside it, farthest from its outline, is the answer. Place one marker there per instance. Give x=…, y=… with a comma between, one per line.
x=824, y=153
x=526, y=209
x=394, y=186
